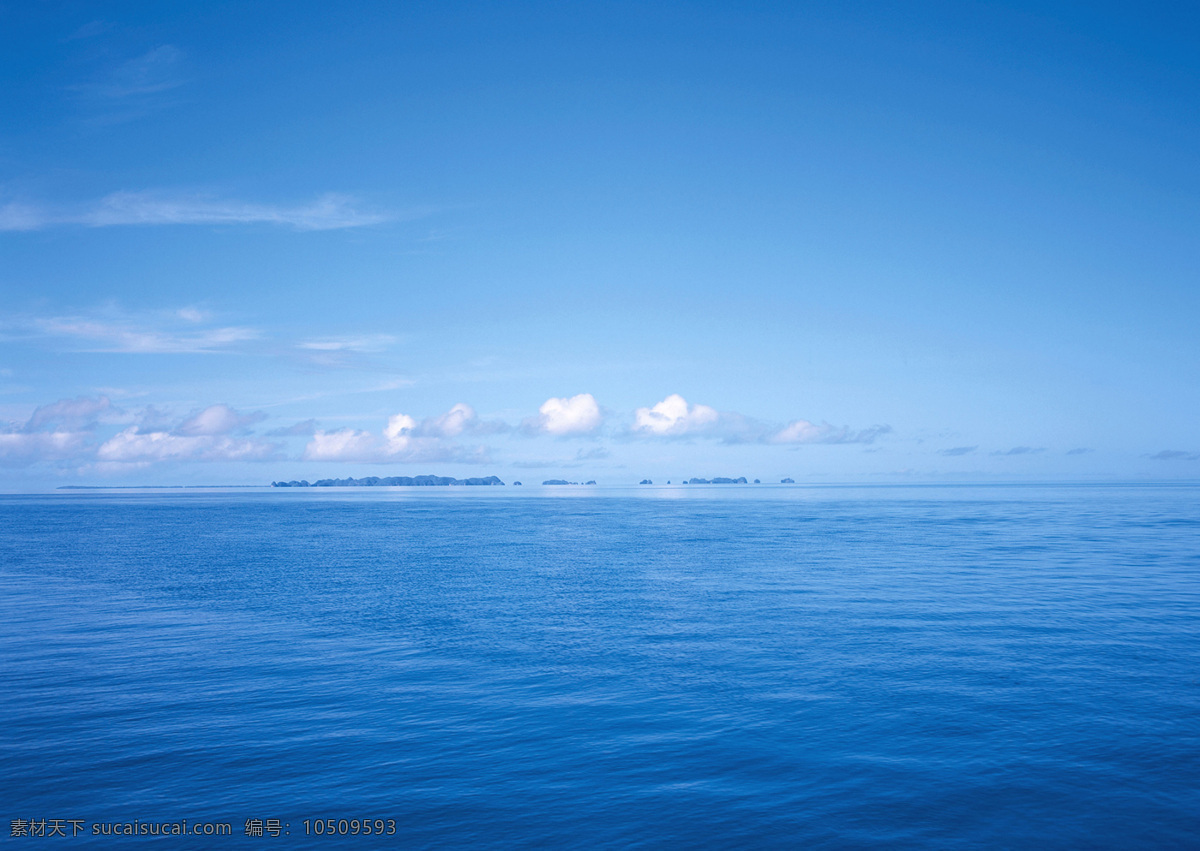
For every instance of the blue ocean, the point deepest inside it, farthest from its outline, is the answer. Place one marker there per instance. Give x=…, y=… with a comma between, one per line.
x=589, y=667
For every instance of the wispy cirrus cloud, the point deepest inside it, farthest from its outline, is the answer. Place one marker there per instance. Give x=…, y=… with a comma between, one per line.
x=331, y=211
x=140, y=77
x=137, y=336
x=1018, y=450
x=19, y=216
x=128, y=88
x=362, y=343
x=358, y=351
x=89, y=30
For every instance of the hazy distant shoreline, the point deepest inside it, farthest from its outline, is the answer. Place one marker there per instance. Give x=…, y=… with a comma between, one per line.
x=391, y=481
x=399, y=481
x=144, y=487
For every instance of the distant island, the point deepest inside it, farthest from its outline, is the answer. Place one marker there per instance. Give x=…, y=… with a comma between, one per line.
x=388, y=482
x=565, y=482
x=787, y=481
x=740, y=480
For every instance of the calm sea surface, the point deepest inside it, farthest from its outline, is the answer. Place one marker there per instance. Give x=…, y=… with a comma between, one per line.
x=737, y=667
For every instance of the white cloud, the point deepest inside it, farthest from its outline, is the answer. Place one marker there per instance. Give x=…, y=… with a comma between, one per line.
x=403, y=440
x=215, y=420
x=66, y=431
x=798, y=431
x=30, y=447
x=363, y=446
x=803, y=431
x=458, y=420
x=57, y=431
x=452, y=423
x=192, y=314
x=673, y=416
x=564, y=417
x=345, y=444
x=82, y=412
x=331, y=211
x=132, y=445
x=204, y=436
x=398, y=432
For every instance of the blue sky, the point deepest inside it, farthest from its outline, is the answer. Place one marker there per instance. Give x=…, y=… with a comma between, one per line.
x=886, y=242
